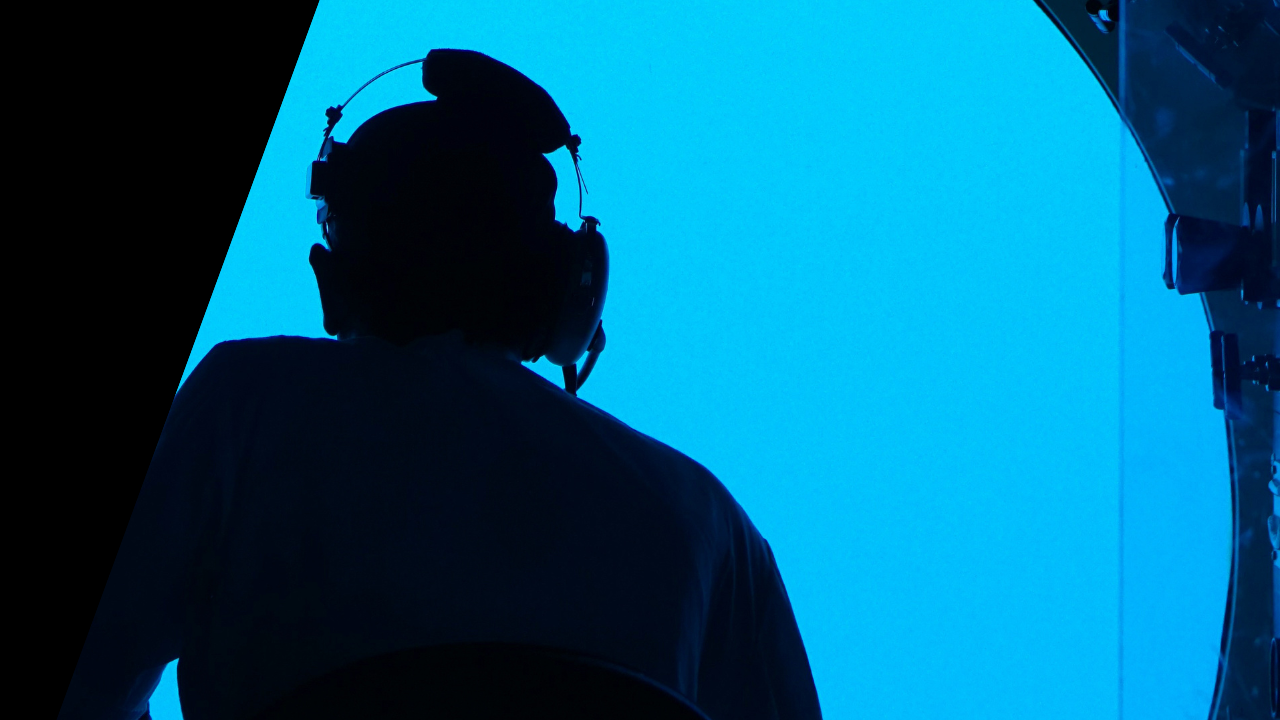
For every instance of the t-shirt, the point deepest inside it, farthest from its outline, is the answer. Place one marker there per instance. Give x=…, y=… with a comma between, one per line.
x=312, y=503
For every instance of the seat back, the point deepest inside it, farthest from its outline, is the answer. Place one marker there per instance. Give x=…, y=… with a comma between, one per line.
x=488, y=681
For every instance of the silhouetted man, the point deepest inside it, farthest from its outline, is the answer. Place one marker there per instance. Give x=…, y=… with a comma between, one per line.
x=312, y=503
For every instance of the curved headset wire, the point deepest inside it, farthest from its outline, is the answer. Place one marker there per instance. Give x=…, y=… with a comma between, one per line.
x=334, y=114
x=573, y=380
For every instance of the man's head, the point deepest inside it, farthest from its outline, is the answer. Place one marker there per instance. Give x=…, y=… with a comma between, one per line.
x=439, y=226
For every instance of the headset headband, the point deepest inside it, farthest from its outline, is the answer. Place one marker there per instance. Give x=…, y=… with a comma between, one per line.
x=467, y=79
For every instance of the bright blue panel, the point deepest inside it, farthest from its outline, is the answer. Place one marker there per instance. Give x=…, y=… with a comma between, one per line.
x=1176, y=483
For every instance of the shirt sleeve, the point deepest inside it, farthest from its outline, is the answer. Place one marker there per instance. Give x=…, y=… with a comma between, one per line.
x=139, y=624
x=754, y=665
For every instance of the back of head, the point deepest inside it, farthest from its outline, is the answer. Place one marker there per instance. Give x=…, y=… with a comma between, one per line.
x=443, y=224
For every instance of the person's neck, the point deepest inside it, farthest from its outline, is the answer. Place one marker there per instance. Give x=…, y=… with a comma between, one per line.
x=450, y=336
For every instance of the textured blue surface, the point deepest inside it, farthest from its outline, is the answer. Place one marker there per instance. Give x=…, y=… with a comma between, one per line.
x=866, y=270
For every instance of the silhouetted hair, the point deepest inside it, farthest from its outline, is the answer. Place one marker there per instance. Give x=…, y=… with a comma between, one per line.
x=440, y=227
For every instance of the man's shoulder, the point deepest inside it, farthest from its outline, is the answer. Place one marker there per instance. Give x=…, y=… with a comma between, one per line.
x=622, y=430
x=270, y=346
x=230, y=354
x=251, y=361
x=658, y=456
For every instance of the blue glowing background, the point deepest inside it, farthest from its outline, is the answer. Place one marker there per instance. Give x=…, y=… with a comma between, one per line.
x=867, y=269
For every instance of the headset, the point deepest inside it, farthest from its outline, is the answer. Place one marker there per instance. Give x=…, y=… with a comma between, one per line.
x=523, y=116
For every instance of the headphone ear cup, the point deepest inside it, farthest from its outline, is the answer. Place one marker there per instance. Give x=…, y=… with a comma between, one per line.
x=584, y=283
